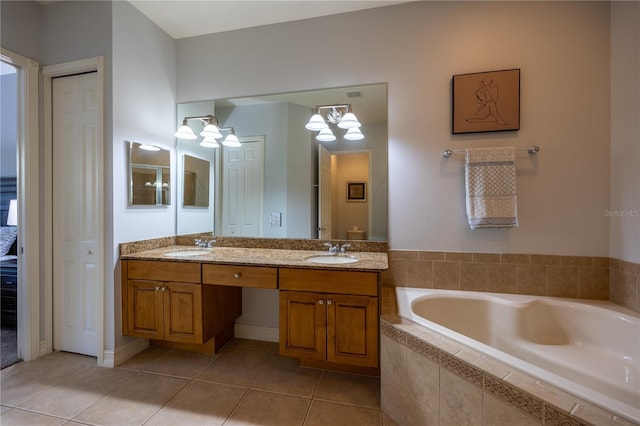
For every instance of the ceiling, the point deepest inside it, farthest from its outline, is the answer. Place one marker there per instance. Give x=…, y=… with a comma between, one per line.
x=189, y=18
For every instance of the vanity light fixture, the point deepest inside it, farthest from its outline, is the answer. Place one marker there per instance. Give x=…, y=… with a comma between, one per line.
x=340, y=115
x=210, y=133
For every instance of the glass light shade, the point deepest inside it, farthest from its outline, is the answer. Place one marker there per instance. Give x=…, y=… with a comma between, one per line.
x=231, y=141
x=211, y=130
x=209, y=142
x=353, y=134
x=349, y=121
x=326, y=135
x=316, y=122
x=185, y=132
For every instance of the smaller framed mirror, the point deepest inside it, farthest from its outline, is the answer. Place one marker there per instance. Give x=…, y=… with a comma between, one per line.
x=149, y=175
x=195, y=182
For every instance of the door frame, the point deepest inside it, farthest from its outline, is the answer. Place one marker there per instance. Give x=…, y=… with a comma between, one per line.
x=49, y=72
x=28, y=191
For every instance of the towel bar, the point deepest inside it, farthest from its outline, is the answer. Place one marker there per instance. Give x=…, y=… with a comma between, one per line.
x=531, y=150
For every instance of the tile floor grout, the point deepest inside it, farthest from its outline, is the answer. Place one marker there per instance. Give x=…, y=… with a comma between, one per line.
x=272, y=379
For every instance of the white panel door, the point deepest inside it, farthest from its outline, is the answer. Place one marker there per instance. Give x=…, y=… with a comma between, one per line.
x=242, y=189
x=76, y=157
x=324, y=193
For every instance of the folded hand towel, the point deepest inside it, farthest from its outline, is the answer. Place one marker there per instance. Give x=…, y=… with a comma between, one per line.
x=491, y=187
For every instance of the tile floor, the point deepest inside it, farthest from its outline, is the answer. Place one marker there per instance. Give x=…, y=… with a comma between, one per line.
x=247, y=383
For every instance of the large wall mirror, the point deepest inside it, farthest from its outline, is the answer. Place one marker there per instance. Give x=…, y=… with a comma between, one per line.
x=149, y=175
x=283, y=182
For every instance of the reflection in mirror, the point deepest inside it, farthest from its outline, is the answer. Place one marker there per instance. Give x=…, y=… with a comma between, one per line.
x=149, y=175
x=303, y=180
x=195, y=183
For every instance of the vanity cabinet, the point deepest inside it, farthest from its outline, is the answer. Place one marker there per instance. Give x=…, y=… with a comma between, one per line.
x=158, y=307
x=329, y=316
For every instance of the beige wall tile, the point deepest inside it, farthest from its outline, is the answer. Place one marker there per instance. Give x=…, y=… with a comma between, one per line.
x=532, y=279
x=460, y=400
x=486, y=257
x=396, y=275
x=403, y=255
x=420, y=273
x=502, y=278
x=453, y=256
x=395, y=400
x=473, y=276
x=594, y=283
x=630, y=268
x=431, y=255
x=446, y=275
x=563, y=281
x=423, y=383
x=497, y=412
x=577, y=261
x=515, y=258
x=544, y=259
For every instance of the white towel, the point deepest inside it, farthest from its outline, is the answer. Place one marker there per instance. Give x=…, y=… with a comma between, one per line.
x=491, y=187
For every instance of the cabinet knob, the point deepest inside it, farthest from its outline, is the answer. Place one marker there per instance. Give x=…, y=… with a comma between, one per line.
x=163, y=288
x=157, y=288
x=329, y=301
x=237, y=275
x=321, y=302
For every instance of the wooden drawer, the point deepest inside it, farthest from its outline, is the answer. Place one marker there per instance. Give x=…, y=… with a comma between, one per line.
x=324, y=281
x=184, y=272
x=240, y=276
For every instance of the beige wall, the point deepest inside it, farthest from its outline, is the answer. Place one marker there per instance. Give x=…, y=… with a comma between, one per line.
x=563, y=52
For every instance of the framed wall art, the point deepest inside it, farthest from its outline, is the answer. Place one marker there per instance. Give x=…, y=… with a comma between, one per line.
x=357, y=191
x=486, y=101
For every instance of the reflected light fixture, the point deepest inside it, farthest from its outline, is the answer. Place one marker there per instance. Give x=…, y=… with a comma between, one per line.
x=354, y=134
x=326, y=135
x=231, y=140
x=210, y=142
x=340, y=115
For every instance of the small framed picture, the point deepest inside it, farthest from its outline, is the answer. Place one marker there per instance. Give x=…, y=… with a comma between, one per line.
x=486, y=102
x=357, y=191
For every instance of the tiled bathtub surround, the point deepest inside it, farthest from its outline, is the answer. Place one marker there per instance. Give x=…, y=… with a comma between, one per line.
x=428, y=379
x=581, y=277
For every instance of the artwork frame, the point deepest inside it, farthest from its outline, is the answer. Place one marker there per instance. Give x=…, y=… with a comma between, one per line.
x=357, y=192
x=486, y=101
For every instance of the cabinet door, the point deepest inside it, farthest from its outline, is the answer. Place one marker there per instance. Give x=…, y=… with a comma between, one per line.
x=182, y=312
x=303, y=319
x=352, y=330
x=145, y=316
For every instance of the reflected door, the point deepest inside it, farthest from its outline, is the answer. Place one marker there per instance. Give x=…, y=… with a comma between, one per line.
x=242, y=189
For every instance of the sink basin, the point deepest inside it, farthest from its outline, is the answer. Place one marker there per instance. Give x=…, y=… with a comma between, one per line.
x=186, y=253
x=332, y=260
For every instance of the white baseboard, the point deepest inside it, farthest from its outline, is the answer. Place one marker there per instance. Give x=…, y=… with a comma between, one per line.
x=124, y=352
x=254, y=332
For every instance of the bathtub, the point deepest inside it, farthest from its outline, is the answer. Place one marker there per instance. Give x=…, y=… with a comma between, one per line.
x=590, y=349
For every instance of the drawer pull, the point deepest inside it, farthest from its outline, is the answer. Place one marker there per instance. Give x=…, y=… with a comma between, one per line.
x=237, y=275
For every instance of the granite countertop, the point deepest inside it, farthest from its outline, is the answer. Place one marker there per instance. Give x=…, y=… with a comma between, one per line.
x=367, y=261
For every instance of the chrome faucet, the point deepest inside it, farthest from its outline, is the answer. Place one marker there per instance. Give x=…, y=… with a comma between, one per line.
x=205, y=244
x=335, y=249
